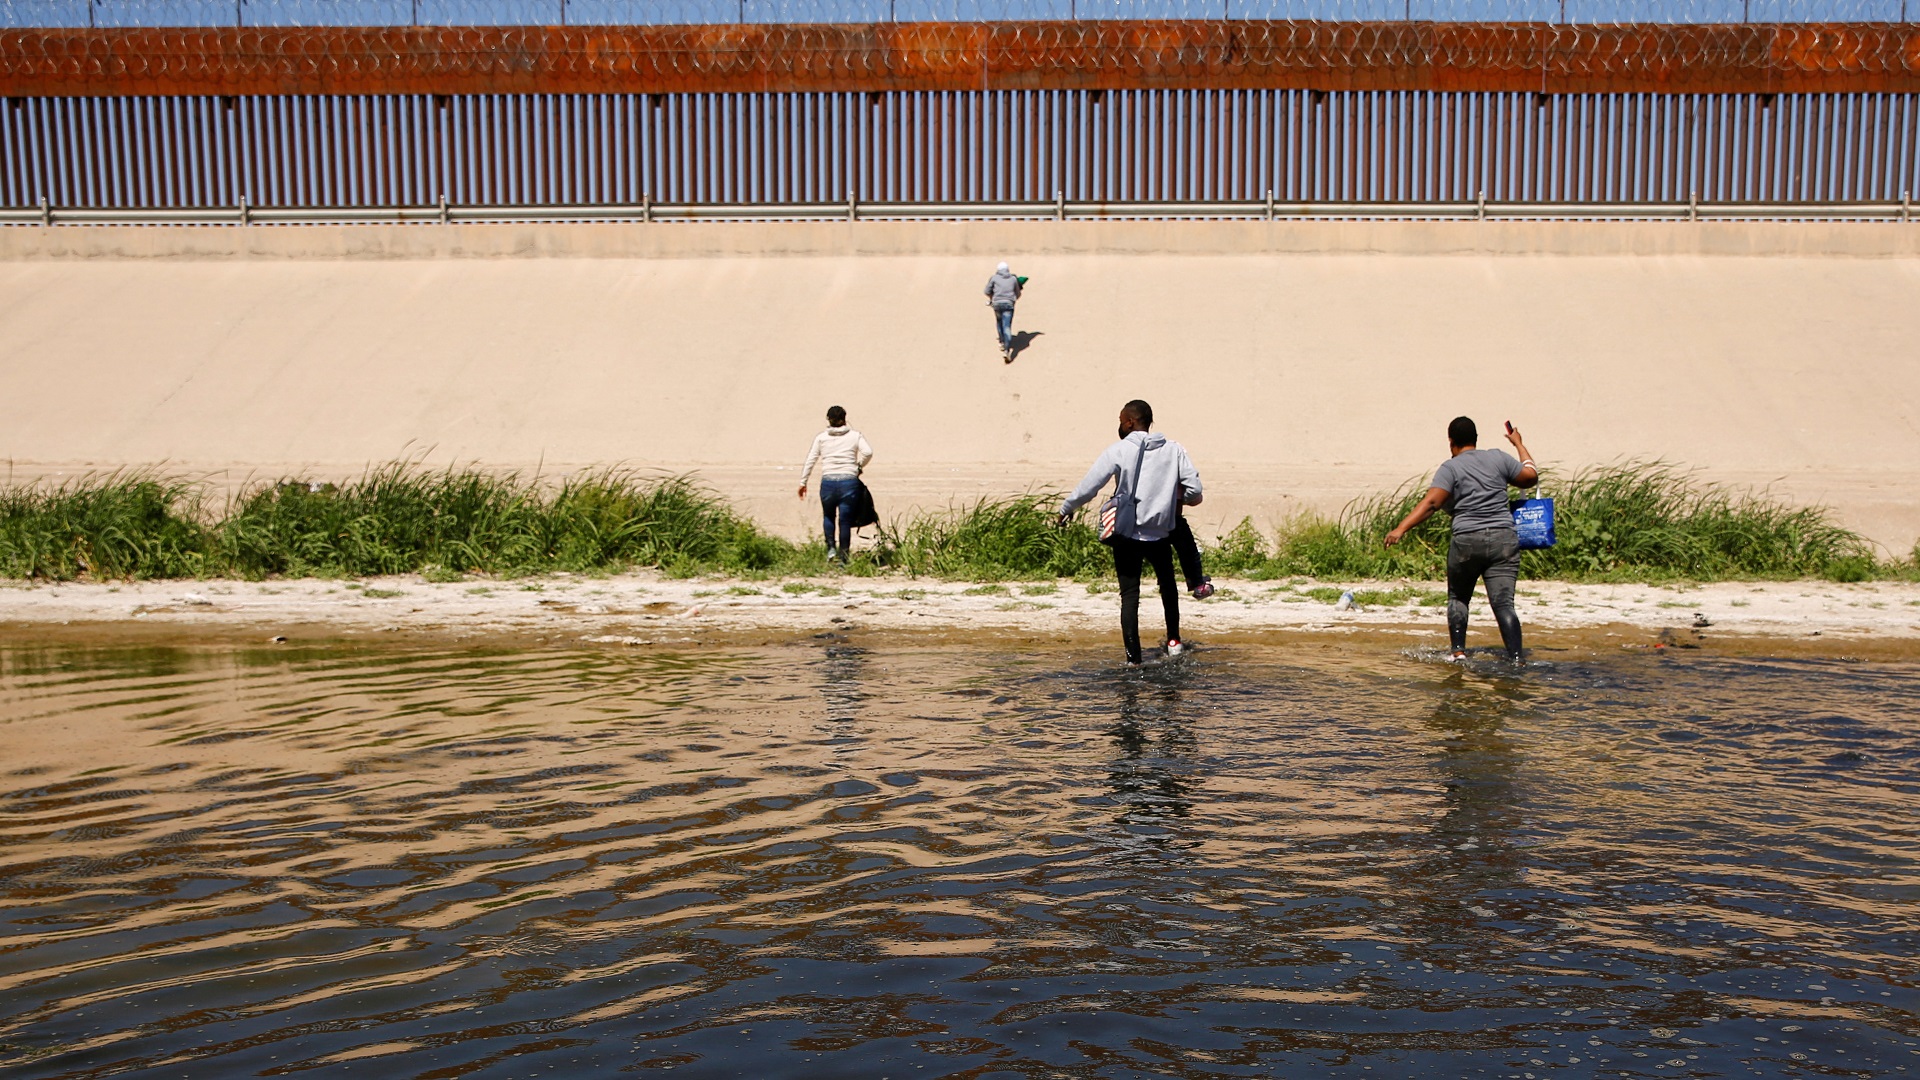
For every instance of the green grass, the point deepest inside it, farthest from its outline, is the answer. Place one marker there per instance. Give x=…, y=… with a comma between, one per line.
x=396, y=519
x=120, y=525
x=994, y=540
x=1634, y=522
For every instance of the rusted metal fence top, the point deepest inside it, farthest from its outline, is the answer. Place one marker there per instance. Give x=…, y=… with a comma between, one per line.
x=1099, y=54
x=286, y=13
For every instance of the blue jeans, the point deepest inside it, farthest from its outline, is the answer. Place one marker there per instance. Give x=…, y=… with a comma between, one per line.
x=1003, y=319
x=837, y=496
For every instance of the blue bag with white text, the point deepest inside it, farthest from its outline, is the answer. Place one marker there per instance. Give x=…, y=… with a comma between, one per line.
x=1533, y=520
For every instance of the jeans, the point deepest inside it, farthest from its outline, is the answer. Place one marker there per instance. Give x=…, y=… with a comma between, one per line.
x=1003, y=319
x=837, y=496
x=1493, y=554
x=1187, y=550
x=1128, y=557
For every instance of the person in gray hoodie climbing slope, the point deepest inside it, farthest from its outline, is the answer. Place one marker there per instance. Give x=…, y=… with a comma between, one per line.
x=1003, y=291
x=1154, y=477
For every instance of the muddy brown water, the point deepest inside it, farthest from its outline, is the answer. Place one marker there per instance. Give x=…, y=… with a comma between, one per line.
x=878, y=860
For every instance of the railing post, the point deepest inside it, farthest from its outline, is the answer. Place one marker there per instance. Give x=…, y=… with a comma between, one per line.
x=646, y=209
x=246, y=212
x=46, y=213
x=1906, y=208
x=1480, y=206
x=853, y=206
x=1059, y=205
x=1269, y=204
x=1693, y=206
x=445, y=217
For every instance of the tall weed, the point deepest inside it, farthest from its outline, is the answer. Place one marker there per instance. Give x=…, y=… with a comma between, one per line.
x=994, y=540
x=135, y=524
x=1637, y=521
x=398, y=519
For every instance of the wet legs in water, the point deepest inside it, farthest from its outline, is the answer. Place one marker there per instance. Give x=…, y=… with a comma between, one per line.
x=1494, y=555
x=1128, y=557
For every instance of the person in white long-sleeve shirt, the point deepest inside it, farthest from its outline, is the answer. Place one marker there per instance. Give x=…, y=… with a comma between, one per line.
x=1162, y=478
x=841, y=453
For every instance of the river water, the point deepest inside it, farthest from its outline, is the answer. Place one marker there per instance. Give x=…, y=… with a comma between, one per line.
x=828, y=860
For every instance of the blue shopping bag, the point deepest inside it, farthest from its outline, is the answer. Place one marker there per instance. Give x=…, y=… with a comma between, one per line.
x=1533, y=520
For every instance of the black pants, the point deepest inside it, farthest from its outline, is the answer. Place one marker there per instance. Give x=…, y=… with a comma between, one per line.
x=1187, y=550
x=1128, y=557
x=1493, y=554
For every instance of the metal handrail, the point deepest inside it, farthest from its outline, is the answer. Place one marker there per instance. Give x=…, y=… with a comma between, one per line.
x=1058, y=210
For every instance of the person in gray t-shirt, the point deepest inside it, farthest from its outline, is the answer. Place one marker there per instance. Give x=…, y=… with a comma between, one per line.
x=1472, y=486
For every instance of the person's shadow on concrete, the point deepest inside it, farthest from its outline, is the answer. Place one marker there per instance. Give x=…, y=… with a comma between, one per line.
x=1020, y=342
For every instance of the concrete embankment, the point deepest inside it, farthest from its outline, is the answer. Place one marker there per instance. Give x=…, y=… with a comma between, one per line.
x=1303, y=363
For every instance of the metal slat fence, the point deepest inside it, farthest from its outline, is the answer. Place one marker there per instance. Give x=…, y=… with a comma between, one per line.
x=1147, y=146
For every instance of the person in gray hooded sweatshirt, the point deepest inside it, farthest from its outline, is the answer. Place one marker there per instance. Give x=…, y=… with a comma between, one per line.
x=1162, y=477
x=1003, y=289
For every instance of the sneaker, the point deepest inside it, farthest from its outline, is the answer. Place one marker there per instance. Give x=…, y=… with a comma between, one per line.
x=1205, y=590
x=1459, y=656
x=833, y=554
x=1174, y=648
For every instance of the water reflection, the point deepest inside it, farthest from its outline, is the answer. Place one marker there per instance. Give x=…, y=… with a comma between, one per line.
x=1152, y=775
x=842, y=669
x=840, y=860
x=1478, y=764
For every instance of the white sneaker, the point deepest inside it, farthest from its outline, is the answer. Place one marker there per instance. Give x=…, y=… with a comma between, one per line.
x=1174, y=648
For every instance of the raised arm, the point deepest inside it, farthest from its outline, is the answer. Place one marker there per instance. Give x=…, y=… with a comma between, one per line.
x=1434, y=500
x=1529, y=474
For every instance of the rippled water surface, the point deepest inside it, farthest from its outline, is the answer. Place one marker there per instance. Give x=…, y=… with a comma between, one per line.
x=825, y=860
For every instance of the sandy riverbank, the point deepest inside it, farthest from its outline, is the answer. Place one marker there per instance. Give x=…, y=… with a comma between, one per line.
x=646, y=609
x=1302, y=365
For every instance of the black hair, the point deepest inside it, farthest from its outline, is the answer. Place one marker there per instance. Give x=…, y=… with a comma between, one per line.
x=1462, y=432
x=1140, y=413
x=836, y=416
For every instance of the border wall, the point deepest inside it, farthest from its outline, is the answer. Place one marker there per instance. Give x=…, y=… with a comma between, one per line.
x=1171, y=113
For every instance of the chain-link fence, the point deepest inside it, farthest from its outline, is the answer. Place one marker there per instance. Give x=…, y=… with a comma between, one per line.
x=288, y=13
